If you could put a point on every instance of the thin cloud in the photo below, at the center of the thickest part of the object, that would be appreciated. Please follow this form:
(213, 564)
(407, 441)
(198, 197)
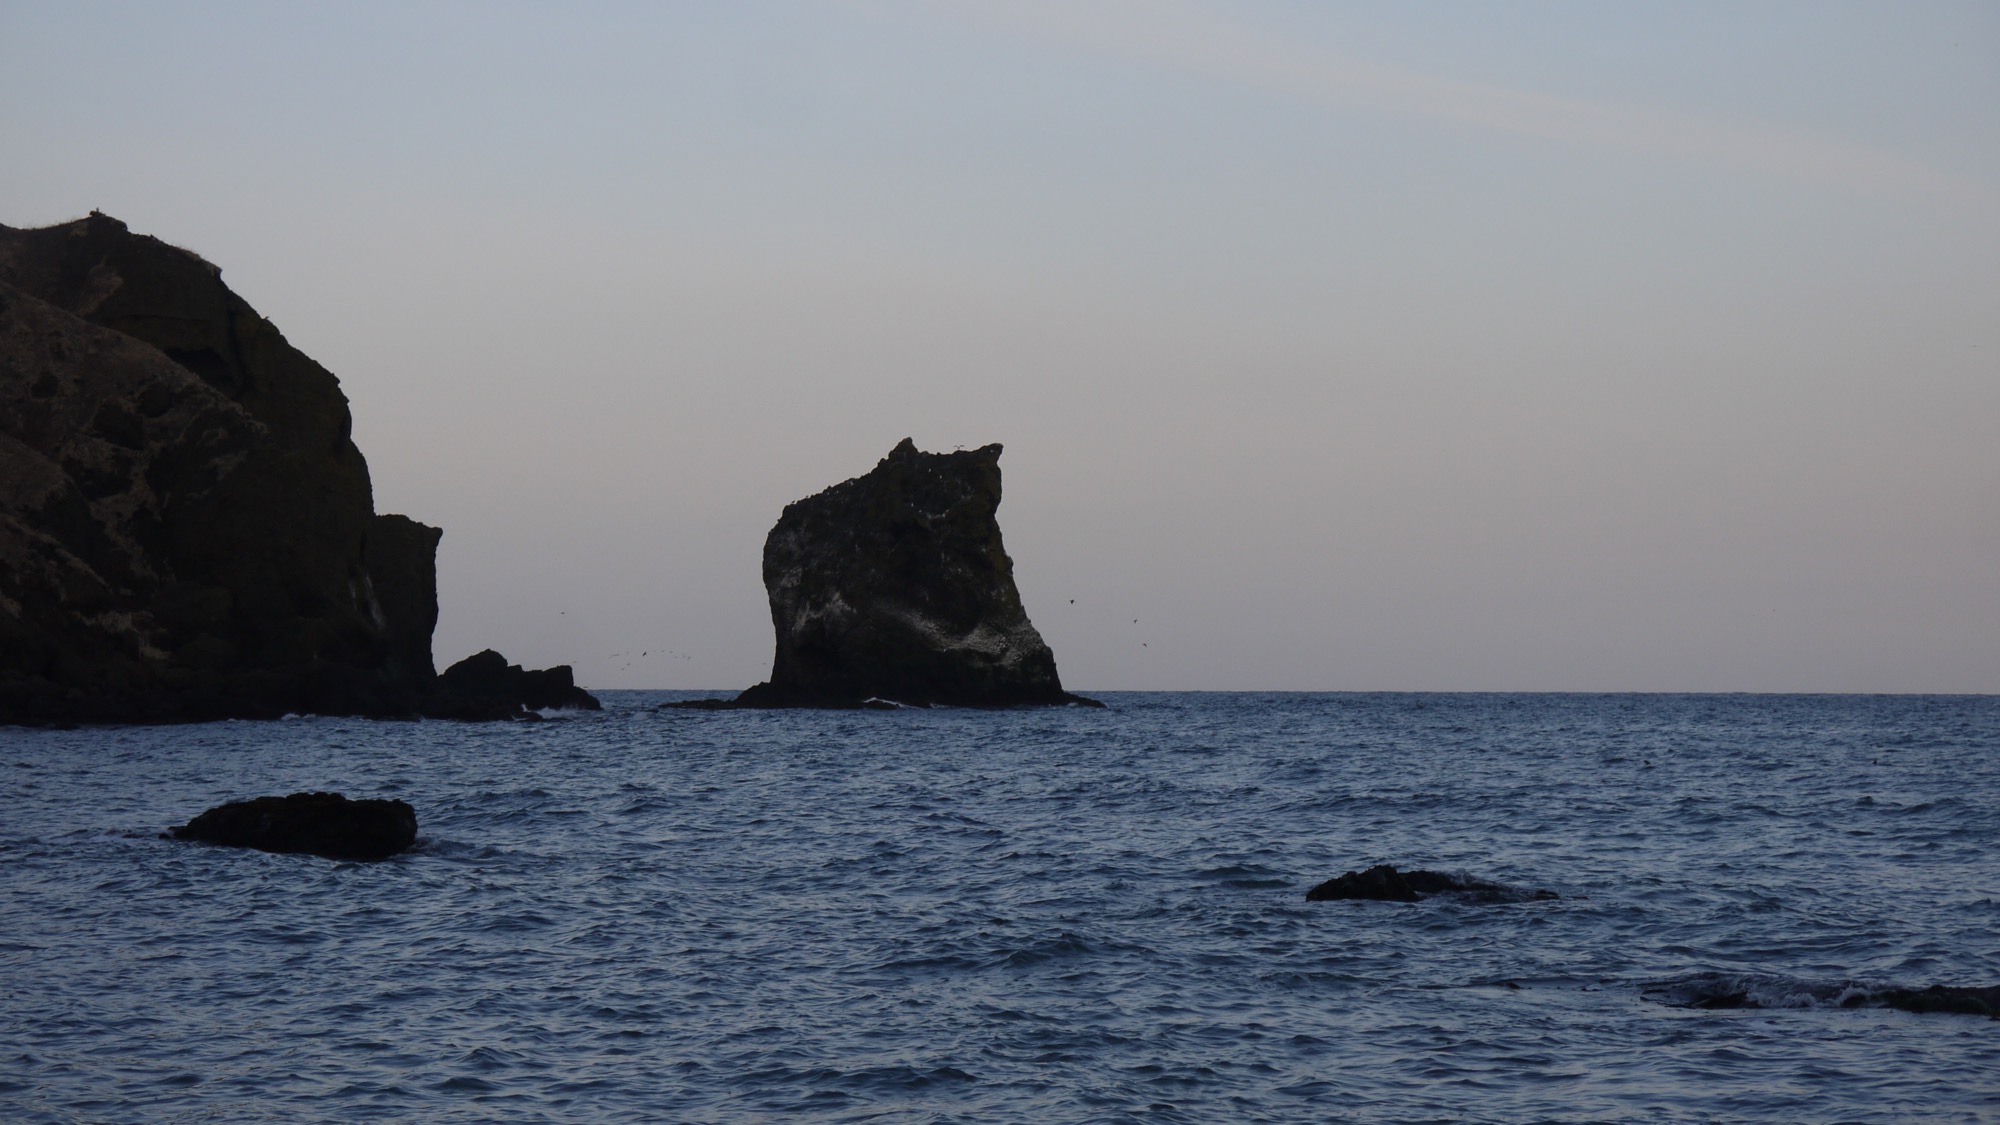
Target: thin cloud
(1177, 35)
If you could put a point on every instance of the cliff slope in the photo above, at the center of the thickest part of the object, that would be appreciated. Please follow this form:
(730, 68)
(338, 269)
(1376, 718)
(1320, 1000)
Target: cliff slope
(186, 529)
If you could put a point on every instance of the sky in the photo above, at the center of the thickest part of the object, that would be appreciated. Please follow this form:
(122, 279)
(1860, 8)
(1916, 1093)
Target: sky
(1334, 346)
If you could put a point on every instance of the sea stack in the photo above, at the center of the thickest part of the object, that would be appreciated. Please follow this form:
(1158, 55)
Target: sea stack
(894, 587)
(187, 530)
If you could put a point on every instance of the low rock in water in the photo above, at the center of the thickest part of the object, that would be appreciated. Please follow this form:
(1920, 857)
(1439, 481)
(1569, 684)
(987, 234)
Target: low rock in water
(1733, 991)
(1383, 883)
(322, 824)
(1963, 1000)
(485, 686)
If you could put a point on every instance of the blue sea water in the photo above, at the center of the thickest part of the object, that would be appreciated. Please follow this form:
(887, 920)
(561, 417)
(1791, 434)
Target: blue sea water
(1062, 915)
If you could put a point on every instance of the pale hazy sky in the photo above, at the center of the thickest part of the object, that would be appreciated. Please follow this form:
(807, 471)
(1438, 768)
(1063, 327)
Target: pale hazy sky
(1556, 346)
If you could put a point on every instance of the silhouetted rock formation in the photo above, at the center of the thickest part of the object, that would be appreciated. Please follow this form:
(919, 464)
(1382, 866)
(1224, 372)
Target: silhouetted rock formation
(485, 686)
(323, 824)
(186, 530)
(895, 586)
(1383, 883)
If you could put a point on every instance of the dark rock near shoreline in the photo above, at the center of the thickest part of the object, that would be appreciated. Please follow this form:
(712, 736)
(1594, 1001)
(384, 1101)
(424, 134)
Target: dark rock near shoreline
(894, 588)
(485, 686)
(322, 824)
(187, 531)
(1383, 883)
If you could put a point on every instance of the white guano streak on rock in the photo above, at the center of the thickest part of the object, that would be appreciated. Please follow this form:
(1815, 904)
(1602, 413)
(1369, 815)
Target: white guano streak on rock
(1002, 645)
(804, 614)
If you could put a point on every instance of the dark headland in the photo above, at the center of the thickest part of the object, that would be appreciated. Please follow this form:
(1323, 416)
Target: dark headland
(187, 530)
(894, 588)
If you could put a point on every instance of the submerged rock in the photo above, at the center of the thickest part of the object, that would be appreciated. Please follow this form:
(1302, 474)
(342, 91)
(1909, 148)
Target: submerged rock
(894, 588)
(187, 530)
(322, 824)
(1730, 991)
(1960, 999)
(1383, 883)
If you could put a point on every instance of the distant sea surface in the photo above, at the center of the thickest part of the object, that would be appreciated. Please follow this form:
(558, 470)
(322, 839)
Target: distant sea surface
(1062, 915)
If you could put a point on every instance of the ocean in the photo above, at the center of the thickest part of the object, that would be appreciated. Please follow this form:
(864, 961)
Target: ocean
(1062, 915)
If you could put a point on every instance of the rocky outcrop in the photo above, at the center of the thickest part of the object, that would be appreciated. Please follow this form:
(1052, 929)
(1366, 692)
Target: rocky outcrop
(895, 586)
(186, 529)
(322, 824)
(485, 686)
(1383, 883)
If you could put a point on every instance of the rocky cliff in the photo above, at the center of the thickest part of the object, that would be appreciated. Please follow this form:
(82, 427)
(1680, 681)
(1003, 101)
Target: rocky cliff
(186, 529)
(895, 586)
